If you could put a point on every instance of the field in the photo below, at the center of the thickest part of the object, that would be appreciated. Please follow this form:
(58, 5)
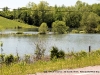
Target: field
(11, 24)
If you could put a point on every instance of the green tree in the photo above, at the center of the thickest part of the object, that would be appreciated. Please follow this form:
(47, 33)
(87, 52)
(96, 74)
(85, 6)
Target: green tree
(90, 21)
(59, 27)
(72, 19)
(30, 5)
(42, 8)
(58, 15)
(96, 8)
(43, 28)
(5, 9)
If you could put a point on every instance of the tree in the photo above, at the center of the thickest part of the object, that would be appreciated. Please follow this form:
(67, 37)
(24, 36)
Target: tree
(30, 5)
(72, 19)
(5, 9)
(58, 15)
(90, 21)
(96, 8)
(43, 28)
(59, 27)
(42, 8)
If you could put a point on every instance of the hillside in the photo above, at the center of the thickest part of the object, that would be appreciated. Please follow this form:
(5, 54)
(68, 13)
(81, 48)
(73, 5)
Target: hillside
(11, 24)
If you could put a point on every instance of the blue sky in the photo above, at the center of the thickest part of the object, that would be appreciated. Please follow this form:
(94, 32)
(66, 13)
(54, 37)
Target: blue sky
(21, 3)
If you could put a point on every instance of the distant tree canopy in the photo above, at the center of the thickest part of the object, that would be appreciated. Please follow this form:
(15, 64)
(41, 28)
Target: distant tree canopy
(90, 21)
(78, 16)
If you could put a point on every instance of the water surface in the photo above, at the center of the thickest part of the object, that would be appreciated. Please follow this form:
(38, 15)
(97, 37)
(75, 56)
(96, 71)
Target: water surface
(25, 44)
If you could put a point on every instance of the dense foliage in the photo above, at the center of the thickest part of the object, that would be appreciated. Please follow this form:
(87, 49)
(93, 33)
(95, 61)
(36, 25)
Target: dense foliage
(78, 16)
(56, 53)
(43, 28)
(59, 27)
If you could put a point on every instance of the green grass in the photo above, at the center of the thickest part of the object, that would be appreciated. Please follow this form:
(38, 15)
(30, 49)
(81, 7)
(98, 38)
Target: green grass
(76, 61)
(11, 24)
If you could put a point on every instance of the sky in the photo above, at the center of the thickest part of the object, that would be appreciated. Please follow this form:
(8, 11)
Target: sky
(14, 4)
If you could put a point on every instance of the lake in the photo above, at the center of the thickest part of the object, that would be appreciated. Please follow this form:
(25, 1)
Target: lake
(26, 44)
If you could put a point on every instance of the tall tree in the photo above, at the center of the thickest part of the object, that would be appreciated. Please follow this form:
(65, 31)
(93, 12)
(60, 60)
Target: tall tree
(42, 8)
(73, 19)
(90, 21)
(96, 8)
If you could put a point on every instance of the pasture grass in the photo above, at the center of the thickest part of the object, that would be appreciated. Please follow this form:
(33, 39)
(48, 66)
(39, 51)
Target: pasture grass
(76, 60)
(11, 24)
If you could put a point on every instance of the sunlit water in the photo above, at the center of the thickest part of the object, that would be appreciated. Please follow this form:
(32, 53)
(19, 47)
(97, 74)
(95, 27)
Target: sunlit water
(67, 42)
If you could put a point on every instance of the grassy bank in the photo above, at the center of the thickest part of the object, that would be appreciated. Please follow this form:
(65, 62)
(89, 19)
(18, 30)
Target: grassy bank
(72, 60)
(11, 24)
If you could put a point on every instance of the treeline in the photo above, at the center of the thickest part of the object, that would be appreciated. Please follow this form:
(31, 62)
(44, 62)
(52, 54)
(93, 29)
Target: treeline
(82, 16)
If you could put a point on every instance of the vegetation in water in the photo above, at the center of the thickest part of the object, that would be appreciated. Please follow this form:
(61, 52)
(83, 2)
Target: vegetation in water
(43, 28)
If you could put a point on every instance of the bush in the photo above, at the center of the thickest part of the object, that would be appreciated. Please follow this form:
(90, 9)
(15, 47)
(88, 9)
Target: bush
(40, 50)
(97, 52)
(16, 59)
(75, 31)
(61, 54)
(80, 55)
(2, 58)
(27, 58)
(9, 59)
(55, 53)
(59, 27)
(43, 28)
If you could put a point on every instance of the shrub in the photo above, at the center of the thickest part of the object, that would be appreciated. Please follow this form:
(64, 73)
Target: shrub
(97, 52)
(19, 27)
(55, 53)
(27, 58)
(2, 58)
(75, 31)
(16, 59)
(43, 28)
(59, 27)
(80, 55)
(40, 50)
(9, 59)
(61, 54)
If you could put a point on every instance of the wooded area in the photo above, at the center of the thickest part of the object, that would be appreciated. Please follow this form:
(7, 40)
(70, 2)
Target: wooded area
(82, 16)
